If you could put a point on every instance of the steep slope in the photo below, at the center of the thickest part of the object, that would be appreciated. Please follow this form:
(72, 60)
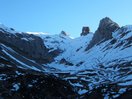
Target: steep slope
(107, 62)
(22, 76)
(96, 64)
(72, 53)
(104, 31)
(27, 45)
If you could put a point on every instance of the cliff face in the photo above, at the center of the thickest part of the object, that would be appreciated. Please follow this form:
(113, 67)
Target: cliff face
(104, 31)
(27, 45)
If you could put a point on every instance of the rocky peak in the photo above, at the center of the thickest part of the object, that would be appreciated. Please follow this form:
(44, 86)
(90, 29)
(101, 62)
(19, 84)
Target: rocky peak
(104, 31)
(63, 33)
(105, 21)
(85, 31)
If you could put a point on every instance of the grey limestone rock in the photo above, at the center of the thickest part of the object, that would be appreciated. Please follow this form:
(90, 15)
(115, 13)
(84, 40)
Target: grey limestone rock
(104, 31)
(85, 31)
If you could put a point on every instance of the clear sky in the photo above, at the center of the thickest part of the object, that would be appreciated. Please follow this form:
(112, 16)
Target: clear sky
(52, 16)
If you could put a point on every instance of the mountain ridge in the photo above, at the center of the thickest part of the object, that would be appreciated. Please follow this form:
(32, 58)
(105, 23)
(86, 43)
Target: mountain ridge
(92, 62)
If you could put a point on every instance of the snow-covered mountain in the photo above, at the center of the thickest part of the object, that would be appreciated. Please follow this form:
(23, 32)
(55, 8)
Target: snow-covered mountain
(95, 64)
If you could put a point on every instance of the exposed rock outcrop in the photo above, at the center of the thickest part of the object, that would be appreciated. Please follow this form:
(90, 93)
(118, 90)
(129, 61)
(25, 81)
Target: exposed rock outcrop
(85, 31)
(28, 45)
(64, 61)
(104, 31)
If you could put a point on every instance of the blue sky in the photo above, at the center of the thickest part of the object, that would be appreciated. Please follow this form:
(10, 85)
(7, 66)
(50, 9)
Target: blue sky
(52, 16)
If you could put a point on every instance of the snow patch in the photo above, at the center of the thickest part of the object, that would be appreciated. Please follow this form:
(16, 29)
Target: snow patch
(16, 87)
(82, 91)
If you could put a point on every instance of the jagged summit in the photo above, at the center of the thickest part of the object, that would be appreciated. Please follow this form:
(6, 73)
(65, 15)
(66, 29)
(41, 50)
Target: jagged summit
(63, 33)
(104, 31)
(85, 31)
(107, 21)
